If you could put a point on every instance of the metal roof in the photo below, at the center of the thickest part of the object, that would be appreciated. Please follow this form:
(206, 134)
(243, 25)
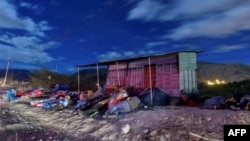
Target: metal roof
(132, 59)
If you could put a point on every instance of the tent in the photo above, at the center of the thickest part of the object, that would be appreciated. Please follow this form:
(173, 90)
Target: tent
(159, 97)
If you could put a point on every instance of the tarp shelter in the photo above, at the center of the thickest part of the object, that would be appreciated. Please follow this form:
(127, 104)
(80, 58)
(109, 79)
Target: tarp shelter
(159, 97)
(170, 72)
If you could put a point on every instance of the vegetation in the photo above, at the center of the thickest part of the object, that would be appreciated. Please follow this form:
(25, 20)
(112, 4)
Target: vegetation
(88, 79)
(46, 78)
(227, 90)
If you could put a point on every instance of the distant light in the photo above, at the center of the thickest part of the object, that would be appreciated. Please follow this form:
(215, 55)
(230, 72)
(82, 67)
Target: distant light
(216, 82)
(210, 83)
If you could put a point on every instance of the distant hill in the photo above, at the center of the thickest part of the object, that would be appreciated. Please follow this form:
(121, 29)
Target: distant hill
(229, 72)
(88, 77)
(16, 74)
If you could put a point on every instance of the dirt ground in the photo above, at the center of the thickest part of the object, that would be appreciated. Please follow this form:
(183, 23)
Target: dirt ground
(20, 122)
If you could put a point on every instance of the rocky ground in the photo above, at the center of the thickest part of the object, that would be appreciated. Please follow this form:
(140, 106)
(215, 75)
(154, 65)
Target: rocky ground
(20, 122)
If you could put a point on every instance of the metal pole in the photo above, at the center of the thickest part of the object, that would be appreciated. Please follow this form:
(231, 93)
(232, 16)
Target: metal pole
(97, 71)
(150, 80)
(78, 77)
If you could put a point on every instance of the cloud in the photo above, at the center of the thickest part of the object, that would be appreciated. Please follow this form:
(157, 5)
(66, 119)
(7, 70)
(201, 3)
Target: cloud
(11, 19)
(112, 55)
(152, 44)
(221, 25)
(198, 18)
(25, 42)
(224, 49)
(129, 54)
(28, 49)
(28, 5)
(179, 9)
(144, 11)
(25, 49)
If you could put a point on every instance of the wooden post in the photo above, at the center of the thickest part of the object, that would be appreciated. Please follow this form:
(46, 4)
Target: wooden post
(118, 76)
(150, 80)
(5, 78)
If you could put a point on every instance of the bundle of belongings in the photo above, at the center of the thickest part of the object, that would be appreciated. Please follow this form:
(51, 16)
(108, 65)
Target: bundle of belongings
(59, 99)
(120, 102)
(37, 93)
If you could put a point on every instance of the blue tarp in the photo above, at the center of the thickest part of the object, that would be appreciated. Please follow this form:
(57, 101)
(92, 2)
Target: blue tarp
(60, 87)
(10, 95)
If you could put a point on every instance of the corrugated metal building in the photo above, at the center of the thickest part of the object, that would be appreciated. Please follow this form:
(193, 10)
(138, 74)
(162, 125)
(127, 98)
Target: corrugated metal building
(171, 72)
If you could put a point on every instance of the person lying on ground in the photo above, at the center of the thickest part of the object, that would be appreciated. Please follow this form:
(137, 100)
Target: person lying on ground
(236, 102)
(215, 102)
(51, 99)
(58, 104)
(65, 101)
(100, 91)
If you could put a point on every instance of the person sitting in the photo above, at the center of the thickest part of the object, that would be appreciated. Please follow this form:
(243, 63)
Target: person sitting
(183, 99)
(81, 102)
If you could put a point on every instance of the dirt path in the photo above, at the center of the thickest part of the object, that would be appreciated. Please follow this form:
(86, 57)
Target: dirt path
(22, 122)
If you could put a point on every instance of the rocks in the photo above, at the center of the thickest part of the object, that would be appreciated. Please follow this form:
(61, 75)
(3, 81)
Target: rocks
(208, 118)
(4, 112)
(146, 131)
(153, 133)
(126, 129)
(159, 124)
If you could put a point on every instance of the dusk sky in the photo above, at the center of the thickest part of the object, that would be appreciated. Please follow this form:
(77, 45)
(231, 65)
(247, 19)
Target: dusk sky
(60, 34)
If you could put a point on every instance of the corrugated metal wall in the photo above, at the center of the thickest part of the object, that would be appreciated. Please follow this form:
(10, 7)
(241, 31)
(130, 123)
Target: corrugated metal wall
(188, 66)
(172, 73)
(168, 78)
